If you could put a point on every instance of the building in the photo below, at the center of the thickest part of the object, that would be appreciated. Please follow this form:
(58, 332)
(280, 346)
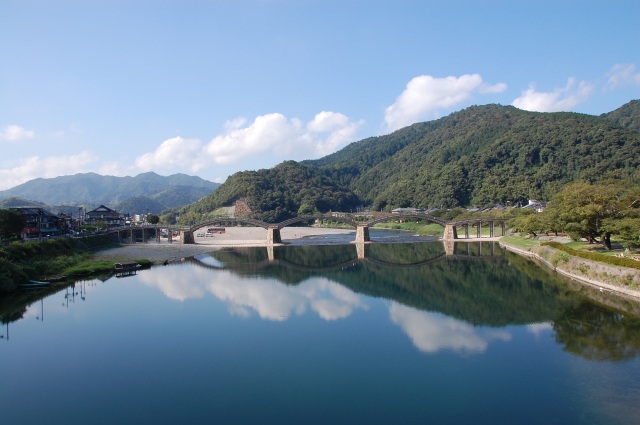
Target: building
(106, 215)
(40, 222)
(535, 205)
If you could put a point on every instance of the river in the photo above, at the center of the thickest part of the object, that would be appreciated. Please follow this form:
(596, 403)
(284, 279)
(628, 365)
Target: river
(306, 334)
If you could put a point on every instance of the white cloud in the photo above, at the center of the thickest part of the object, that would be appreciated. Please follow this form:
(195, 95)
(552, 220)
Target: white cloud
(281, 137)
(622, 75)
(33, 167)
(173, 153)
(425, 96)
(270, 134)
(13, 133)
(561, 99)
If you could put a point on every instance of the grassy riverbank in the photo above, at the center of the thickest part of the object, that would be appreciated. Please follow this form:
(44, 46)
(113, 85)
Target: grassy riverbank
(421, 228)
(42, 260)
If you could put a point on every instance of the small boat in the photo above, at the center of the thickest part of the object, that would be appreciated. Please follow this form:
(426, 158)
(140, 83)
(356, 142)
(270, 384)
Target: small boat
(34, 284)
(125, 267)
(54, 279)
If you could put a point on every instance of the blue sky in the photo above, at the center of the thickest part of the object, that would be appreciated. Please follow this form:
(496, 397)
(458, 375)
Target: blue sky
(210, 88)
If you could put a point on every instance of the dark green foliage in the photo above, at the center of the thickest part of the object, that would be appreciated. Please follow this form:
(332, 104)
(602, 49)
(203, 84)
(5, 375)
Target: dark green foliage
(627, 116)
(278, 193)
(11, 223)
(10, 276)
(486, 155)
(589, 211)
(595, 333)
(35, 260)
(153, 218)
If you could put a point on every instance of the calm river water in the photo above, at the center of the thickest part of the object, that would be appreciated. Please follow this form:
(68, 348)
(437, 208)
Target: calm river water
(392, 334)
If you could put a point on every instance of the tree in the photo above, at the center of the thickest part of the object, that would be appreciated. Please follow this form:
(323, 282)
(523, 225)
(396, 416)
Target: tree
(581, 209)
(11, 223)
(528, 222)
(153, 218)
(626, 225)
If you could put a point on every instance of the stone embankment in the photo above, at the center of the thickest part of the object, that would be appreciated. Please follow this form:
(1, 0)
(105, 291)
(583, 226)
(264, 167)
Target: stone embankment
(601, 276)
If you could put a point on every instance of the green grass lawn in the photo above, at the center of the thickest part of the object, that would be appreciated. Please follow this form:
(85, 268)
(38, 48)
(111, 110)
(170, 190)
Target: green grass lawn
(519, 242)
(420, 228)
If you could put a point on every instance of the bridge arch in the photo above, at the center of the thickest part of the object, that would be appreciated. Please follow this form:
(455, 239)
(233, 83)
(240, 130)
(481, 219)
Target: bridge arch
(413, 216)
(222, 220)
(302, 218)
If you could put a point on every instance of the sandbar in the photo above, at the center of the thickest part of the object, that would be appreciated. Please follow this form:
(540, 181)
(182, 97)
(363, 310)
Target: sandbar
(233, 237)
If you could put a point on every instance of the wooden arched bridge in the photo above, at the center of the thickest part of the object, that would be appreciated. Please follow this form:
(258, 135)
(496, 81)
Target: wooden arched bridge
(185, 234)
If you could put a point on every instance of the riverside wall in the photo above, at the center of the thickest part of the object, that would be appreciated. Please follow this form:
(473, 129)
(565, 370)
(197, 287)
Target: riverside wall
(607, 278)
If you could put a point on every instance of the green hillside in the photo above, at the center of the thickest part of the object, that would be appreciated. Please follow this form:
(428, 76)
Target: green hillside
(276, 194)
(627, 116)
(484, 155)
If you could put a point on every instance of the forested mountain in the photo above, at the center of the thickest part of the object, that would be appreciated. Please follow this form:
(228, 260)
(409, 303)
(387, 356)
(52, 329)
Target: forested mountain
(480, 156)
(92, 190)
(485, 155)
(627, 116)
(276, 194)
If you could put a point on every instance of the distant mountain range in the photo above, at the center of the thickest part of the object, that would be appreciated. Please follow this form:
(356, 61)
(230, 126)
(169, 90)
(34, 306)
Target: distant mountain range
(144, 192)
(480, 156)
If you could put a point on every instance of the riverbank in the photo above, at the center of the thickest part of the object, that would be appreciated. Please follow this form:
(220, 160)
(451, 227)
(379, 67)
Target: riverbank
(602, 277)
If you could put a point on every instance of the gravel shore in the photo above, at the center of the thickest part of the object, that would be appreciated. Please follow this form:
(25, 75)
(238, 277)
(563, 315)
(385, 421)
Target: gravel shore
(233, 237)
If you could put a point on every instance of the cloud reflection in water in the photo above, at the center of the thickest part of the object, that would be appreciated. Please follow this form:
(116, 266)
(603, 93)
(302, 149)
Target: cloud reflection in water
(432, 332)
(270, 299)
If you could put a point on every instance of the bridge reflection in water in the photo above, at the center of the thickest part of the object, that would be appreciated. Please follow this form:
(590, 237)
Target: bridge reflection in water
(185, 235)
(422, 254)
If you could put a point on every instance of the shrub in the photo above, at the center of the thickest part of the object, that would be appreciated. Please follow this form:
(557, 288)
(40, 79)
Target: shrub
(614, 261)
(10, 276)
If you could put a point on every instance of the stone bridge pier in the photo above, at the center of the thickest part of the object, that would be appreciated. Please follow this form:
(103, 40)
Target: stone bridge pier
(273, 235)
(186, 237)
(362, 234)
(449, 247)
(450, 232)
(271, 253)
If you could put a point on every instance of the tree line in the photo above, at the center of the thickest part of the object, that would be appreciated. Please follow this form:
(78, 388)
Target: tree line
(594, 212)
